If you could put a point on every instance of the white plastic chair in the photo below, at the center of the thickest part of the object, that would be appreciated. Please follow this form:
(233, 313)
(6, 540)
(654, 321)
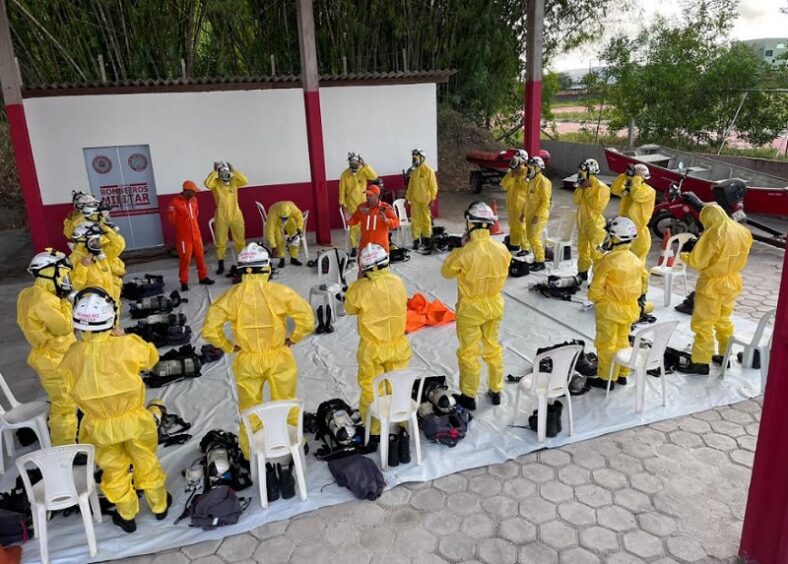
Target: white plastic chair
(263, 214)
(230, 247)
(31, 415)
(276, 439)
(303, 236)
(678, 269)
(395, 407)
(550, 385)
(330, 283)
(346, 227)
(62, 485)
(402, 214)
(750, 347)
(645, 355)
(563, 239)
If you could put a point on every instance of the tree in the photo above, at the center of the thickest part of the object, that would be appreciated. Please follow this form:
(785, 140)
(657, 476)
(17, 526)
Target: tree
(564, 81)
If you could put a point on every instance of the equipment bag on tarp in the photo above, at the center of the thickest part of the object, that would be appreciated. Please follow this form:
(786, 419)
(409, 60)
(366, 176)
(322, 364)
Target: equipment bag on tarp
(155, 304)
(519, 268)
(359, 474)
(173, 366)
(163, 329)
(138, 288)
(217, 507)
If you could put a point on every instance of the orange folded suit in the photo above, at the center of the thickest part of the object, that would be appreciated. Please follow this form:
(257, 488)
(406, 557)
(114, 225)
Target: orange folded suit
(423, 313)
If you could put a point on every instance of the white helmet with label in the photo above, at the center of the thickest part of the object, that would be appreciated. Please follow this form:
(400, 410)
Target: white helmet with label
(373, 257)
(590, 167)
(255, 257)
(622, 229)
(642, 170)
(94, 310)
(480, 214)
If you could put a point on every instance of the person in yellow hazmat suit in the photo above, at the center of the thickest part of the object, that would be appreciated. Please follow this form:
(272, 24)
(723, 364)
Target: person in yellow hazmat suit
(96, 258)
(352, 192)
(537, 209)
(75, 216)
(619, 281)
(43, 312)
(421, 193)
(637, 203)
(258, 311)
(104, 370)
(380, 301)
(224, 181)
(720, 254)
(591, 198)
(516, 185)
(284, 228)
(481, 267)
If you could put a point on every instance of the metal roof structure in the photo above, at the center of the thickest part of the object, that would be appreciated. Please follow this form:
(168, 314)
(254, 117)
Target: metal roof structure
(228, 83)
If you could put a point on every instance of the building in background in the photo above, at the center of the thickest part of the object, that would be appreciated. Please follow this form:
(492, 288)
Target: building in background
(773, 50)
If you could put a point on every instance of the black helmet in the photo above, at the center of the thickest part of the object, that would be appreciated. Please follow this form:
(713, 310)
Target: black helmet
(729, 194)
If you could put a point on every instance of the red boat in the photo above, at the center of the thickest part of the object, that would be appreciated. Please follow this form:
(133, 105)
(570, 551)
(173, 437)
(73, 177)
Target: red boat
(493, 166)
(765, 194)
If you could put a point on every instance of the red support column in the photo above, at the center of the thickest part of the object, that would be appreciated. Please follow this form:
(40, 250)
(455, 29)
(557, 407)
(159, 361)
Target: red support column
(765, 533)
(532, 118)
(20, 137)
(314, 122)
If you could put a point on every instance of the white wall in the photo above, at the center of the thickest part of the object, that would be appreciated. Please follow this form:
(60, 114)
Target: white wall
(383, 123)
(262, 132)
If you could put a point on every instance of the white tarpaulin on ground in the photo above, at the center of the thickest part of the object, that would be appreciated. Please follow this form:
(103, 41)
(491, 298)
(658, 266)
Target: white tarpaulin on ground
(327, 369)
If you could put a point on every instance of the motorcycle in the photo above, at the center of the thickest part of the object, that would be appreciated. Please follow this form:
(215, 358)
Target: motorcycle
(674, 213)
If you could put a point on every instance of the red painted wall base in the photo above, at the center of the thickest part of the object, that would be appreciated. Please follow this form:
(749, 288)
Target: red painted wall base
(532, 116)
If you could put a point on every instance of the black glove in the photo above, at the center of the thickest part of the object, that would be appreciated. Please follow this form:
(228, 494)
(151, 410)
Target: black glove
(691, 199)
(642, 301)
(688, 246)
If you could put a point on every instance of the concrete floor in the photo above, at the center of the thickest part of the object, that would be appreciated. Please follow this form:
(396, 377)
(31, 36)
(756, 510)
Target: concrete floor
(673, 491)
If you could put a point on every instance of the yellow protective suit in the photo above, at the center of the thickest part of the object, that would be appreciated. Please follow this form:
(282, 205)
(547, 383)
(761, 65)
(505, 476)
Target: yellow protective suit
(105, 371)
(481, 268)
(258, 311)
(637, 203)
(275, 228)
(516, 185)
(381, 303)
(537, 212)
(45, 320)
(228, 214)
(352, 193)
(107, 273)
(73, 219)
(619, 280)
(422, 191)
(591, 203)
(720, 255)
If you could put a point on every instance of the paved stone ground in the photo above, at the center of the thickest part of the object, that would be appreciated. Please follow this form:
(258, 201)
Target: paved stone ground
(674, 491)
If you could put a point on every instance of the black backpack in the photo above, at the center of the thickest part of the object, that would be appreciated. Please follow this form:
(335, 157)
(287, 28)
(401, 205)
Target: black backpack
(217, 507)
(359, 474)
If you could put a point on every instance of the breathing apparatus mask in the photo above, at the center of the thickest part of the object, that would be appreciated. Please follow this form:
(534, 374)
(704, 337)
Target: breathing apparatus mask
(436, 392)
(93, 245)
(729, 194)
(224, 172)
(341, 426)
(354, 161)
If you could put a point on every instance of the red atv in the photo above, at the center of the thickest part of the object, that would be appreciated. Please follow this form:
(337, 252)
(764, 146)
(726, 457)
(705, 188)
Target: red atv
(674, 213)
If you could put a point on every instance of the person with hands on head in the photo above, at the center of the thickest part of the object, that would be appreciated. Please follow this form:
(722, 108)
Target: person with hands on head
(258, 312)
(537, 209)
(352, 188)
(96, 258)
(224, 182)
(591, 198)
(104, 368)
(284, 228)
(515, 183)
(183, 213)
(421, 193)
(375, 217)
(637, 203)
(43, 312)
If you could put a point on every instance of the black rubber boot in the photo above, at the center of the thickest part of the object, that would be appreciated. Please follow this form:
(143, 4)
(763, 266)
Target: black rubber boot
(206, 281)
(220, 268)
(688, 305)
(329, 327)
(416, 244)
(756, 359)
(128, 525)
(583, 276)
(600, 383)
(353, 252)
(553, 421)
(163, 515)
(495, 397)
(694, 368)
(295, 262)
(557, 409)
(622, 381)
(393, 450)
(426, 246)
(537, 266)
(184, 287)
(522, 252)
(465, 401)
(533, 421)
(271, 483)
(286, 480)
(372, 446)
(404, 447)
(321, 326)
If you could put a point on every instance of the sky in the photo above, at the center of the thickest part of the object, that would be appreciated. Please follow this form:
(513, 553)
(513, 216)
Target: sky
(757, 18)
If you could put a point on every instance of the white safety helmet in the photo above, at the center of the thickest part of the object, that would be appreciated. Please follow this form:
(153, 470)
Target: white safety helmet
(294, 240)
(642, 171)
(94, 310)
(516, 162)
(82, 199)
(480, 214)
(86, 230)
(621, 230)
(589, 167)
(224, 170)
(536, 162)
(61, 266)
(91, 209)
(255, 257)
(523, 154)
(418, 156)
(373, 257)
(353, 158)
